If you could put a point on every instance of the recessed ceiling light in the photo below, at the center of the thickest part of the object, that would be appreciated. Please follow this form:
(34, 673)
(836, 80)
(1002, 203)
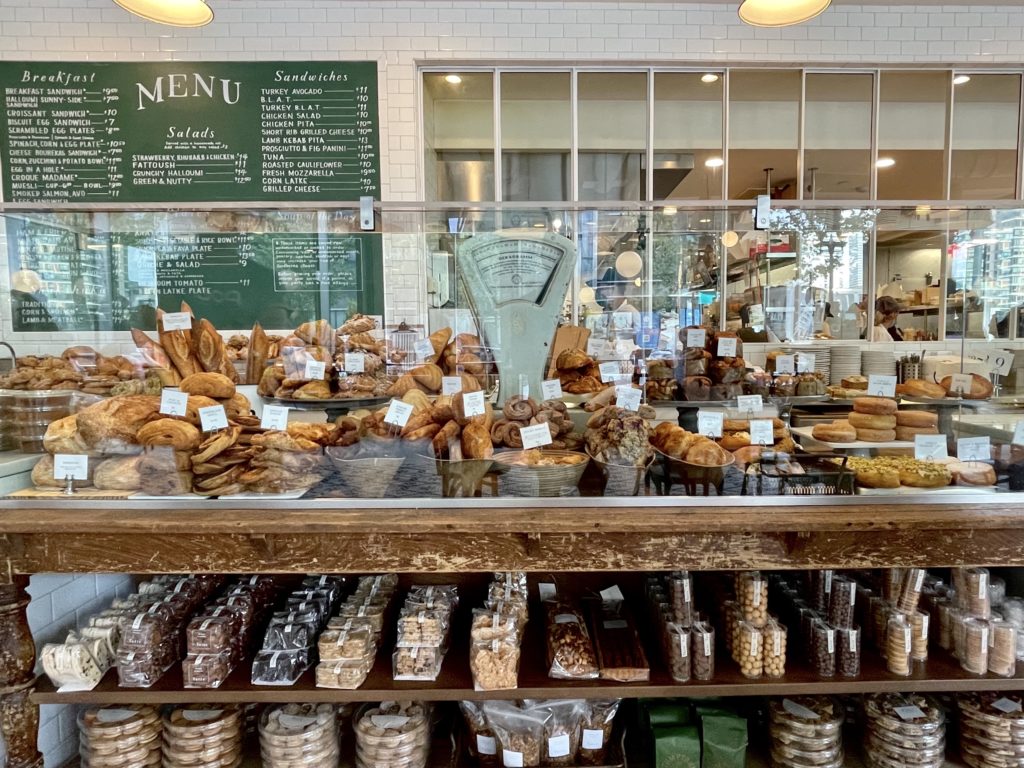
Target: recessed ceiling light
(885, 162)
(714, 162)
(961, 79)
(704, 221)
(670, 210)
(730, 238)
(710, 77)
(175, 13)
(452, 79)
(780, 13)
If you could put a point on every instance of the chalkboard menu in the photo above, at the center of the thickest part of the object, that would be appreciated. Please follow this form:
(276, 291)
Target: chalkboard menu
(283, 275)
(184, 132)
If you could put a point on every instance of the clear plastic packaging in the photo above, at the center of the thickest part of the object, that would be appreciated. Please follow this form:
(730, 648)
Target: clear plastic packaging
(560, 742)
(423, 626)
(898, 644)
(976, 596)
(343, 674)
(416, 662)
(849, 651)
(139, 669)
(823, 649)
(482, 744)
(519, 733)
(298, 734)
(748, 651)
(1002, 652)
(677, 652)
(996, 591)
(842, 602)
(289, 635)
(752, 598)
(495, 663)
(807, 717)
(821, 589)
(974, 658)
(910, 590)
(681, 594)
(147, 630)
(570, 652)
(773, 643)
(596, 730)
(206, 670)
(210, 634)
(702, 651)
(279, 667)
(340, 645)
(920, 626)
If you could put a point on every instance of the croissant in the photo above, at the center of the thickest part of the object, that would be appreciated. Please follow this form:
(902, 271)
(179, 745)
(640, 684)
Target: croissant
(571, 359)
(402, 385)
(448, 434)
(518, 408)
(318, 333)
(423, 433)
(428, 376)
(470, 363)
(416, 422)
(357, 324)
(418, 400)
(459, 409)
(476, 442)
(470, 383)
(439, 340)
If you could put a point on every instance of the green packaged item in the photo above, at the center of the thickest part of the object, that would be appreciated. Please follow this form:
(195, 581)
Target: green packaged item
(676, 746)
(724, 740)
(668, 712)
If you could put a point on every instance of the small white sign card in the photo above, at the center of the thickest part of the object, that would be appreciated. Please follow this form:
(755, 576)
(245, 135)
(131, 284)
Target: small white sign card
(535, 436)
(627, 397)
(274, 417)
(551, 389)
(930, 447)
(173, 402)
(709, 423)
(67, 465)
(314, 370)
(451, 385)
(974, 449)
(177, 321)
(882, 386)
(473, 403)
(762, 432)
(696, 337)
(398, 413)
(785, 364)
(213, 418)
(727, 347)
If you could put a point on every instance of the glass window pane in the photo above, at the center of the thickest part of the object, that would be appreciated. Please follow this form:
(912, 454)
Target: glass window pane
(536, 135)
(984, 145)
(912, 135)
(688, 136)
(764, 117)
(837, 136)
(458, 132)
(612, 115)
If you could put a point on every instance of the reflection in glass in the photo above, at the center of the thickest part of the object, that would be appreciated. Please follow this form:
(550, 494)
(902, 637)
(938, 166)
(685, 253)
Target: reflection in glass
(837, 136)
(458, 134)
(612, 135)
(912, 135)
(687, 136)
(536, 135)
(908, 264)
(984, 142)
(764, 117)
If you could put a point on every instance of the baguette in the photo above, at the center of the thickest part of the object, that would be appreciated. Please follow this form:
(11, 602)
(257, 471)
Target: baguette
(150, 349)
(259, 349)
(178, 345)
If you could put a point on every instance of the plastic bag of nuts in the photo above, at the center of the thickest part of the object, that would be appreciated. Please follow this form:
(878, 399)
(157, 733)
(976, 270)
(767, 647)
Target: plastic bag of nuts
(752, 597)
(561, 741)
(677, 651)
(481, 743)
(569, 648)
(702, 651)
(681, 593)
(596, 731)
(773, 642)
(519, 733)
(495, 663)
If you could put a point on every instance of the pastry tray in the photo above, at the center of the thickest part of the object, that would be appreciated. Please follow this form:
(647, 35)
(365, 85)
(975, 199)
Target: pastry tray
(949, 490)
(351, 403)
(805, 432)
(794, 400)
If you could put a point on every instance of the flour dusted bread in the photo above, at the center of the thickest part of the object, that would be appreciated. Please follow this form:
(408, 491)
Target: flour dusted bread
(112, 426)
(118, 474)
(42, 475)
(62, 436)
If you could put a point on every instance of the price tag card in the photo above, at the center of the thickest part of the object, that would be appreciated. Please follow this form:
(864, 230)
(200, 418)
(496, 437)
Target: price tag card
(274, 417)
(423, 348)
(1018, 434)
(524, 386)
(551, 389)
(213, 418)
(355, 362)
(961, 383)
(67, 465)
(974, 449)
(398, 413)
(173, 402)
(1003, 705)
(1000, 362)
(749, 403)
(546, 589)
(627, 397)
(882, 386)
(785, 364)
(909, 712)
(709, 423)
(535, 436)
(473, 404)
(727, 347)
(805, 363)
(930, 447)
(315, 370)
(177, 321)
(762, 432)
(595, 347)
(696, 337)
(609, 372)
(451, 385)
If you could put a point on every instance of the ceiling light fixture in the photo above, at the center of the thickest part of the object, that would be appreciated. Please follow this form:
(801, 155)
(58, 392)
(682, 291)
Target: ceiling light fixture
(780, 13)
(710, 77)
(629, 264)
(714, 162)
(175, 13)
(885, 162)
(670, 210)
(452, 79)
(961, 79)
(730, 238)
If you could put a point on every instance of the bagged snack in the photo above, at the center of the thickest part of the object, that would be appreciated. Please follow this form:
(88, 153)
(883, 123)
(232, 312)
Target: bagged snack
(561, 742)
(481, 742)
(596, 729)
(519, 733)
(570, 652)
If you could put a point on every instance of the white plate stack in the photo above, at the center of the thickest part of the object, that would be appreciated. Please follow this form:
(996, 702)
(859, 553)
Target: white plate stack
(845, 363)
(822, 356)
(878, 363)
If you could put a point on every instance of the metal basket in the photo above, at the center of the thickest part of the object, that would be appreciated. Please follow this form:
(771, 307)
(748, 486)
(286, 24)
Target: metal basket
(821, 475)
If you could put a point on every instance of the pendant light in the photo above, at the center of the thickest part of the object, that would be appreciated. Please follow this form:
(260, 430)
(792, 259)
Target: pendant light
(176, 13)
(780, 13)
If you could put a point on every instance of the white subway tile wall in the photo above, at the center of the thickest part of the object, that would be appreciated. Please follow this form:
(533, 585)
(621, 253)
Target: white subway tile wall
(61, 602)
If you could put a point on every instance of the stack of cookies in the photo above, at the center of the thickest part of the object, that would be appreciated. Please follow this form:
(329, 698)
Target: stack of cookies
(202, 735)
(125, 736)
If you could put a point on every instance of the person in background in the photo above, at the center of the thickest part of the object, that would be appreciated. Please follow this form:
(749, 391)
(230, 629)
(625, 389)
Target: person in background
(887, 309)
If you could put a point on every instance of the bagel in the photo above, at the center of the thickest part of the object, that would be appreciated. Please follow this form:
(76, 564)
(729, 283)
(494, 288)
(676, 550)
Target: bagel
(837, 432)
(876, 435)
(916, 419)
(871, 421)
(874, 405)
(180, 435)
(907, 434)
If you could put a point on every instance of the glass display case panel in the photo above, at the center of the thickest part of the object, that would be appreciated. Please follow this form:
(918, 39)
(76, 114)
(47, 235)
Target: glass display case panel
(688, 160)
(458, 136)
(837, 136)
(986, 116)
(536, 135)
(612, 135)
(912, 121)
(764, 130)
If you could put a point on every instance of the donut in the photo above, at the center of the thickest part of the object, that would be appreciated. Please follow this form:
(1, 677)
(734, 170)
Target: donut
(871, 421)
(916, 419)
(836, 432)
(907, 434)
(876, 435)
(875, 405)
(733, 441)
(972, 473)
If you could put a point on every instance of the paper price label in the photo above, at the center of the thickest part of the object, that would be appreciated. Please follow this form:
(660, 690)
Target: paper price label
(696, 337)
(1003, 705)
(749, 403)
(535, 436)
(1018, 433)
(909, 713)
(961, 383)
(628, 398)
(314, 370)
(1000, 363)
(451, 385)
(612, 595)
(173, 402)
(486, 745)
(609, 372)
(762, 432)
(213, 418)
(973, 449)
(398, 413)
(727, 347)
(805, 363)
(592, 739)
(930, 447)
(551, 389)
(799, 710)
(274, 417)
(423, 348)
(882, 386)
(389, 721)
(546, 590)
(709, 423)
(511, 759)
(67, 465)
(473, 404)
(177, 321)
(785, 364)
(355, 362)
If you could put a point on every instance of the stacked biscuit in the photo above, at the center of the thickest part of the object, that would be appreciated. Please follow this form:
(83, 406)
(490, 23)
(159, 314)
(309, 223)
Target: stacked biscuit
(299, 734)
(394, 734)
(202, 735)
(124, 736)
(423, 625)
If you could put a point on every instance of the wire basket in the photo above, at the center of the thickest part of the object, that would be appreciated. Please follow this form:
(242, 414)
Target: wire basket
(620, 479)
(521, 479)
(366, 477)
(820, 475)
(698, 479)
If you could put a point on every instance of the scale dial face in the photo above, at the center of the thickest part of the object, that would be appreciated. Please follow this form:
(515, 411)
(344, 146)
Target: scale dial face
(517, 269)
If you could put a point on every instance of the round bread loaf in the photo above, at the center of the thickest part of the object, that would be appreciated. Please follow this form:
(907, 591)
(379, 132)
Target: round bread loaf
(907, 434)
(837, 432)
(875, 405)
(917, 419)
(871, 421)
(876, 435)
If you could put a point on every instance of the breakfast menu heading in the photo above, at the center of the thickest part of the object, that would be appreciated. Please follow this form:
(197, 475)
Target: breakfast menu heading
(179, 132)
